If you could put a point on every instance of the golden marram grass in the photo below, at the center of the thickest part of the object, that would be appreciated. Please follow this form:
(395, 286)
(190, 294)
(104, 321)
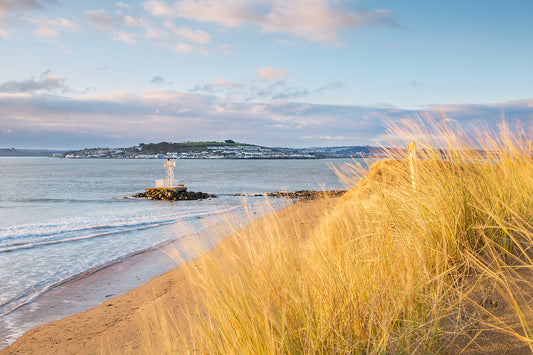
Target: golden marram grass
(443, 267)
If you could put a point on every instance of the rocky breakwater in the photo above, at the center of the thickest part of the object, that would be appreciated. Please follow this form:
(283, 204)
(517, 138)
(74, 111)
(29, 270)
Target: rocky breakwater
(169, 194)
(307, 194)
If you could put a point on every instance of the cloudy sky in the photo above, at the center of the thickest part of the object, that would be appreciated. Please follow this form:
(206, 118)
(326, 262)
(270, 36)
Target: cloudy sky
(298, 73)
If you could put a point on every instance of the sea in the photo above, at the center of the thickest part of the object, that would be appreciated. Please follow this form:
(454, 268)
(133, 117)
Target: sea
(67, 219)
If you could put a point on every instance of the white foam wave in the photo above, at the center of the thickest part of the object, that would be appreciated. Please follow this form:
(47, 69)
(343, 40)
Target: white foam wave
(76, 229)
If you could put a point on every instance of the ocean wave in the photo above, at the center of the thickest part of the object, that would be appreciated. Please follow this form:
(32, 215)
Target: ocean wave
(29, 294)
(45, 200)
(27, 245)
(26, 294)
(78, 229)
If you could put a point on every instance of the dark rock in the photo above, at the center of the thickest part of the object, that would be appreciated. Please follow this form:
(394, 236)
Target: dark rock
(307, 194)
(170, 194)
(299, 195)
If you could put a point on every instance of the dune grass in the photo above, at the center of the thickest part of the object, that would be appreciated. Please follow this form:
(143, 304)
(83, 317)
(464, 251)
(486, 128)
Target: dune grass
(442, 267)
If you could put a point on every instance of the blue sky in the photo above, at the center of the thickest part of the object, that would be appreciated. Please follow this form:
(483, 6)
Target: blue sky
(77, 74)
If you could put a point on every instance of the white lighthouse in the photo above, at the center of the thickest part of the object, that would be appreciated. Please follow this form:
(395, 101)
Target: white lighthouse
(169, 182)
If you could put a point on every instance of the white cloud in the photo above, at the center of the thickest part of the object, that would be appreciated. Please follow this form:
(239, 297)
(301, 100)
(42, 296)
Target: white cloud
(43, 31)
(50, 28)
(157, 8)
(267, 85)
(160, 35)
(193, 36)
(321, 20)
(47, 82)
(225, 82)
(187, 48)
(100, 18)
(122, 36)
(184, 48)
(218, 85)
(132, 21)
(15, 5)
(134, 30)
(58, 23)
(63, 23)
(187, 34)
(312, 20)
(257, 109)
(225, 13)
(270, 73)
(4, 34)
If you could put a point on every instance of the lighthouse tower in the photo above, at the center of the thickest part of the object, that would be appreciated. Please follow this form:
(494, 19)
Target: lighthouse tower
(169, 182)
(170, 173)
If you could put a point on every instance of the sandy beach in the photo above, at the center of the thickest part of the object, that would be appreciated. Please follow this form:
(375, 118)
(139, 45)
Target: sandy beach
(121, 324)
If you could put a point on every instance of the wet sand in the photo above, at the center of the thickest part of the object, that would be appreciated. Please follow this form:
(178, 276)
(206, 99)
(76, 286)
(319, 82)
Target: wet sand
(84, 292)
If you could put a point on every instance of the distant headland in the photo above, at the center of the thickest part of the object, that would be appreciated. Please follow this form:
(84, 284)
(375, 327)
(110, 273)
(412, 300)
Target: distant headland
(228, 149)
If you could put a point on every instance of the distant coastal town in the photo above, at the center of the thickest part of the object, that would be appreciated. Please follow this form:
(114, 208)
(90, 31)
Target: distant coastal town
(217, 150)
(228, 149)
(198, 150)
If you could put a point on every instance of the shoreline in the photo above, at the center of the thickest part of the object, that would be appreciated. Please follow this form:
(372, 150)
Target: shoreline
(115, 317)
(89, 289)
(84, 291)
